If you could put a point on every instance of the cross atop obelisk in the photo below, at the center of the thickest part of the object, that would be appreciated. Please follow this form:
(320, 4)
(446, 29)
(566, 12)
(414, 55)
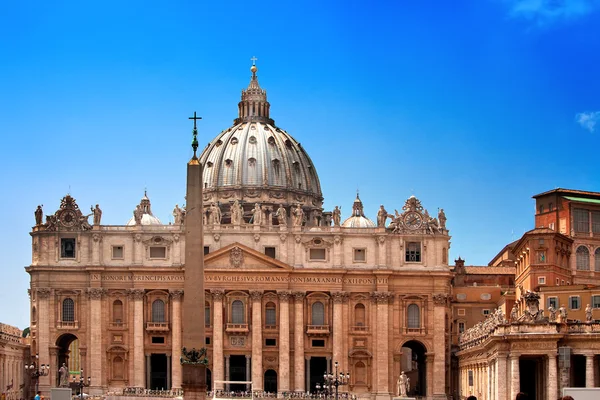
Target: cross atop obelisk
(193, 357)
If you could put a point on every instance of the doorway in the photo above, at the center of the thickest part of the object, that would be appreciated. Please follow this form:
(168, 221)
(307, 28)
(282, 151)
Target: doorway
(414, 366)
(318, 368)
(237, 372)
(270, 381)
(532, 374)
(158, 372)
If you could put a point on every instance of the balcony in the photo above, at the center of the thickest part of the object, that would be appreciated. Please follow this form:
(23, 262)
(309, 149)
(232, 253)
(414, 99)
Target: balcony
(157, 326)
(415, 331)
(271, 328)
(236, 329)
(317, 330)
(67, 325)
(360, 329)
(117, 326)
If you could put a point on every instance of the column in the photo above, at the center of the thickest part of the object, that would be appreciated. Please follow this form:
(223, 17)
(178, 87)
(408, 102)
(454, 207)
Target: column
(95, 298)
(43, 323)
(501, 375)
(284, 342)
(299, 384)
(217, 371)
(176, 338)
(138, 338)
(148, 369)
(382, 353)
(440, 304)
(515, 383)
(337, 327)
(227, 376)
(169, 373)
(552, 377)
(257, 341)
(489, 382)
(308, 388)
(248, 378)
(589, 370)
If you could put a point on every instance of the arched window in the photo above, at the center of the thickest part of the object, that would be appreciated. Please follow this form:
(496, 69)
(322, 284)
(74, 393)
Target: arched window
(583, 258)
(118, 368)
(359, 314)
(414, 317)
(597, 260)
(68, 310)
(118, 311)
(206, 314)
(318, 313)
(237, 312)
(270, 314)
(158, 311)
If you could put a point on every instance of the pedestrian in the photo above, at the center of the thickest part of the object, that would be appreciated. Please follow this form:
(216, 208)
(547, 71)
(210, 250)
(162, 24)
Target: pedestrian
(471, 398)
(522, 396)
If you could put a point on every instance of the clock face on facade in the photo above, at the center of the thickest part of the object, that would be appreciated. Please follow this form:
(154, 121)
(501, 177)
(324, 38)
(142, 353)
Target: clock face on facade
(413, 220)
(68, 218)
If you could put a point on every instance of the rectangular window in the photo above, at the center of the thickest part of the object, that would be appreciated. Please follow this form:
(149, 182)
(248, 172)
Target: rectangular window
(581, 221)
(596, 221)
(461, 311)
(117, 252)
(270, 251)
(271, 342)
(596, 301)
(557, 282)
(360, 255)
(574, 303)
(541, 280)
(551, 207)
(317, 254)
(206, 250)
(486, 312)
(270, 317)
(318, 343)
(207, 340)
(413, 252)
(551, 225)
(158, 340)
(67, 248)
(158, 252)
(461, 327)
(553, 302)
(470, 377)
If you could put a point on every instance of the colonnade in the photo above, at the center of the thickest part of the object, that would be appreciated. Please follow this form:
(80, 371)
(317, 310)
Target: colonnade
(12, 371)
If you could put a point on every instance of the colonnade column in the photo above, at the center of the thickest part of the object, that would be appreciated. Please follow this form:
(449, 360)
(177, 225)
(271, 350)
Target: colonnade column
(284, 342)
(515, 382)
(257, 345)
(552, 378)
(589, 371)
(248, 377)
(217, 295)
(176, 338)
(382, 377)
(43, 323)
(500, 372)
(138, 337)
(299, 384)
(95, 297)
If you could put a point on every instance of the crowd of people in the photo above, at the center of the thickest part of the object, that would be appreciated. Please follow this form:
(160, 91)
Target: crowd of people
(524, 396)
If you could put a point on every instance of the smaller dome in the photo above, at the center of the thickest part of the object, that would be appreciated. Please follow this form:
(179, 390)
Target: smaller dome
(358, 219)
(143, 212)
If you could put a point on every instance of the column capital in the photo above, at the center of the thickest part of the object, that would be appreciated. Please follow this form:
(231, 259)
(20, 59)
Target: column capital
(217, 294)
(381, 297)
(176, 293)
(299, 296)
(95, 293)
(136, 294)
(441, 299)
(338, 297)
(284, 295)
(256, 295)
(43, 293)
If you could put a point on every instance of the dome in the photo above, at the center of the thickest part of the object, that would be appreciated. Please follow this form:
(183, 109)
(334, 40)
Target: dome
(256, 161)
(144, 211)
(358, 219)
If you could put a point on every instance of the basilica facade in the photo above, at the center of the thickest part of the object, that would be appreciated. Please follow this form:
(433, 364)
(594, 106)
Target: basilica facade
(291, 289)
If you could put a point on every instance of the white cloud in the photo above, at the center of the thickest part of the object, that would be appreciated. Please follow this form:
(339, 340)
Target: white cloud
(544, 12)
(588, 120)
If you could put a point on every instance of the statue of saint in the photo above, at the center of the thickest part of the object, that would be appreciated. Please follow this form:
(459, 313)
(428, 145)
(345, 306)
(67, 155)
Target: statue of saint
(381, 217)
(298, 215)
(215, 213)
(402, 385)
(562, 314)
(257, 214)
(514, 314)
(551, 313)
(137, 215)
(97, 213)
(38, 215)
(281, 215)
(63, 373)
(177, 215)
(588, 313)
(442, 218)
(236, 213)
(337, 215)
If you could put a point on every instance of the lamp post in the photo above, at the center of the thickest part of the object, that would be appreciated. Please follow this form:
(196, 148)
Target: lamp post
(36, 370)
(81, 383)
(337, 379)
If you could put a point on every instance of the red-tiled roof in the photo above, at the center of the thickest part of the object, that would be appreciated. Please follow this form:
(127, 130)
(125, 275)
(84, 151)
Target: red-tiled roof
(568, 191)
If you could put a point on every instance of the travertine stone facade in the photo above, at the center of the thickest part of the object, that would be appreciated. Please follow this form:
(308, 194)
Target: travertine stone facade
(14, 355)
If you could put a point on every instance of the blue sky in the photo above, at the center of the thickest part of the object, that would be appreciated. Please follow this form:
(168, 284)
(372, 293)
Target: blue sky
(472, 106)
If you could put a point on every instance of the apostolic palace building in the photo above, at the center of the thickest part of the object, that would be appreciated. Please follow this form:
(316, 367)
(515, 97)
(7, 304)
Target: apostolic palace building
(292, 288)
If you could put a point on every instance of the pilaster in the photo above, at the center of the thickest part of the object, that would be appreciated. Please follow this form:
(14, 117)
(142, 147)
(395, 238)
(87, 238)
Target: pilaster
(257, 375)
(284, 342)
(95, 298)
(552, 378)
(217, 295)
(176, 344)
(299, 378)
(137, 295)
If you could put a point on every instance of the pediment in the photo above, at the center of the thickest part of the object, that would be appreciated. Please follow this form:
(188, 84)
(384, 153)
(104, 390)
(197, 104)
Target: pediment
(238, 256)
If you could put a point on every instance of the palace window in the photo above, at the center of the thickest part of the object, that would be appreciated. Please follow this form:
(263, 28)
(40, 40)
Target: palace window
(414, 316)
(270, 314)
(595, 221)
(68, 310)
(582, 258)
(574, 303)
(158, 311)
(206, 314)
(318, 313)
(461, 311)
(597, 260)
(596, 301)
(359, 314)
(541, 208)
(541, 280)
(117, 252)
(413, 252)
(237, 312)
(67, 248)
(581, 220)
(158, 252)
(118, 311)
(486, 311)
(461, 327)
(553, 302)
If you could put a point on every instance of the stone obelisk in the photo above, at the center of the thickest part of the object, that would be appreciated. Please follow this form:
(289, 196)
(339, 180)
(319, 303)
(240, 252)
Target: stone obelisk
(193, 336)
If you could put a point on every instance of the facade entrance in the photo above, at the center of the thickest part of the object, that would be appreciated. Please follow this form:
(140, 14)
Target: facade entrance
(64, 343)
(270, 381)
(237, 372)
(158, 372)
(533, 377)
(413, 364)
(317, 368)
